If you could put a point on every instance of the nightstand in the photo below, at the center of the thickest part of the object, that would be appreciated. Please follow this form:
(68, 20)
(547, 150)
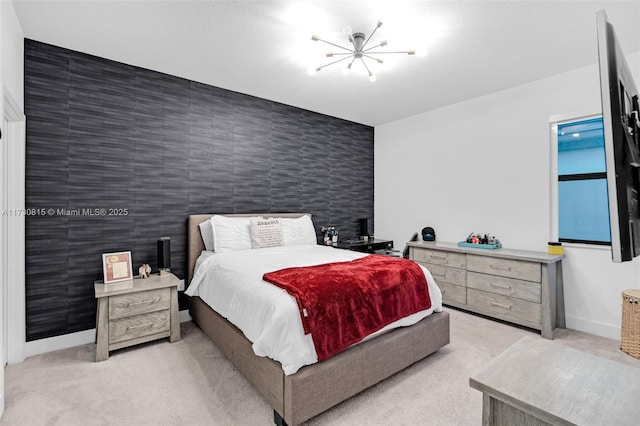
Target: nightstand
(136, 311)
(369, 246)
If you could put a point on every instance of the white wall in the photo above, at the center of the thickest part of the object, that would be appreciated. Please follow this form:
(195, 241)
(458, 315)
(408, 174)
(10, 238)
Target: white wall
(12, 53)
(483, 165)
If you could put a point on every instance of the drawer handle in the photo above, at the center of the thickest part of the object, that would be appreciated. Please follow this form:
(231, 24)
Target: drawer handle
(502, 286)
(500, 305)
(440, 275)
(144, 302)
(431, 256)
(139, 326)
(504, 268)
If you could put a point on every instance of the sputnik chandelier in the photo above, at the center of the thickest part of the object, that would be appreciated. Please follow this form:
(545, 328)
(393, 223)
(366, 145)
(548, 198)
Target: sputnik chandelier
(358, 50)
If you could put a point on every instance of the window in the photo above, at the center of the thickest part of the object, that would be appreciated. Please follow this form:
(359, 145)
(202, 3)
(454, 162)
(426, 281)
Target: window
(583, 206)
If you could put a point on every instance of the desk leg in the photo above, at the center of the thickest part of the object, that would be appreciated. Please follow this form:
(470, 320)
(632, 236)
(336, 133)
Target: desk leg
(102, 330)
(175, 320)
(487, 415)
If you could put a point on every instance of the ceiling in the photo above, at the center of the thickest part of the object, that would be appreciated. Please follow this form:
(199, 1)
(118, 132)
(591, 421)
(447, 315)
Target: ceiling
(263, 48)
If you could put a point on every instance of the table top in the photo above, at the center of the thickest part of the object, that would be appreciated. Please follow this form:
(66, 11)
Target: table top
(538, 256)
(155, 281)
(561, 385)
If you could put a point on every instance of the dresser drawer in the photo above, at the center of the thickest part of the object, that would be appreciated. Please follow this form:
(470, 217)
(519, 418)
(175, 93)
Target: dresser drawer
(511, 287)
(437, 257)
(128, 328)
(529, 271)
(507, 308)
(445, 274)
(453, 293)
(139, 303)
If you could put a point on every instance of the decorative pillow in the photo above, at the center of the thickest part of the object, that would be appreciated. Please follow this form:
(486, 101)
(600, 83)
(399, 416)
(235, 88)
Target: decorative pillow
(298, 231)
(206, 230)
(231, 233)
(266, 232)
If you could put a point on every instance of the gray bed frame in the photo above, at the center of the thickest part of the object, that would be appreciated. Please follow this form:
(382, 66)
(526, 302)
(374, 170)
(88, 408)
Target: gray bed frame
(318, 387)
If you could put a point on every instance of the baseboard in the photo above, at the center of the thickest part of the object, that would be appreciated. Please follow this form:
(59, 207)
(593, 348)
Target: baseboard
(56, 343)
(593, 327)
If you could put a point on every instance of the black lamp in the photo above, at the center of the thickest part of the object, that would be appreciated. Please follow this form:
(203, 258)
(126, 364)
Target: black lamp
(164, 255)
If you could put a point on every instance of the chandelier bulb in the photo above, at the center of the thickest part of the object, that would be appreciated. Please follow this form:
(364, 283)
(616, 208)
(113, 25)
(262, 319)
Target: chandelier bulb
(315, 38)
(329, 54)
(379, 24)
(372, 77)
(383, 43)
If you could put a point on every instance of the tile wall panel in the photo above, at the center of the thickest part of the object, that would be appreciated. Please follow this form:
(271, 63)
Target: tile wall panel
(106, 135)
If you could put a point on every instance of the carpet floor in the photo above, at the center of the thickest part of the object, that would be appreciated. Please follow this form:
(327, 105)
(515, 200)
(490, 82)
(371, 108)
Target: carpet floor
(191, 383)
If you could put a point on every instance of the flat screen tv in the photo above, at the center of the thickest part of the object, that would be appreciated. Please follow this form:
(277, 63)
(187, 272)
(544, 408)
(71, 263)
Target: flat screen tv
(622, 153)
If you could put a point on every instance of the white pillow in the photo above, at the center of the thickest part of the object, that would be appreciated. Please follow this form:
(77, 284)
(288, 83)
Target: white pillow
(206, 230)
(298, 231)
(231, 233)
(266, 232)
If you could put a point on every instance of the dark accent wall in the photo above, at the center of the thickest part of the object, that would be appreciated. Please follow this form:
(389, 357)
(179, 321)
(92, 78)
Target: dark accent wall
(105, 135)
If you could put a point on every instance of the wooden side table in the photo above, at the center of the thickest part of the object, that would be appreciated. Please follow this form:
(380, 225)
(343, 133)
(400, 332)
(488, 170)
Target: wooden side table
(136, 311)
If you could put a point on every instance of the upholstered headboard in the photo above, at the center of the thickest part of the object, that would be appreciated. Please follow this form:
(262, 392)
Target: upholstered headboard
(196, 244)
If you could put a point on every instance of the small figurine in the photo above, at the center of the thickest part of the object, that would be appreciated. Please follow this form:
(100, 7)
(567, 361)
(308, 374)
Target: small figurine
(144, 270)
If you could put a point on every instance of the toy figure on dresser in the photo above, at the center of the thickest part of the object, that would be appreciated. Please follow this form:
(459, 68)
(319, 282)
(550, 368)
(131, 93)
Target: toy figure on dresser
(330, 234)
(144, 271)
(475, 238)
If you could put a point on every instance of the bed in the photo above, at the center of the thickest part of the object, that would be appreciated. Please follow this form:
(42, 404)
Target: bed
(313, 388)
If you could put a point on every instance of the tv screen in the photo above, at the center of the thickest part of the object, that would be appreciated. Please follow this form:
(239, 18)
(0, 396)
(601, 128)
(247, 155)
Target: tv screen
(621, 127)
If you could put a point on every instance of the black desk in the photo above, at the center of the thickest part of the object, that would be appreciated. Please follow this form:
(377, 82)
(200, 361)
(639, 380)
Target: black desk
(370, 246)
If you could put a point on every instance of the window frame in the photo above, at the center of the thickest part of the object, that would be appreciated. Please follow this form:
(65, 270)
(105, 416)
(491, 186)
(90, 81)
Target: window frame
(554, 122)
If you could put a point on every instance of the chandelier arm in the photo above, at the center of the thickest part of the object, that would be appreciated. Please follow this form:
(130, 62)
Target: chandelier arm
(408, 52)
(366, 50)
(365, 65)
(372, 58)
(350, 53)
(334, 62)
(371, 35)
(336, 45)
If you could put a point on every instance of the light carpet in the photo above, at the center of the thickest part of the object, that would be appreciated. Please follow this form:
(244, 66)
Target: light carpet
(191, 383)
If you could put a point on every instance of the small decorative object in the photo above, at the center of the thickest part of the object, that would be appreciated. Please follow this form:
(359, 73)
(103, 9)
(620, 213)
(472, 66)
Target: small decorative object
(478, 240)
(330, 234)
(144, 271)
(117, 267)
(164, 255)
(555, 247)
(428, 234)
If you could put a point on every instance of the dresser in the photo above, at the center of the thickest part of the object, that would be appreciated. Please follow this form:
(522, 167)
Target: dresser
(518, 286)
(136, 311)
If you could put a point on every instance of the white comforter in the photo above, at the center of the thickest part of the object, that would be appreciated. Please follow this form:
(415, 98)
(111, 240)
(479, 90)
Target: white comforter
(231, 283)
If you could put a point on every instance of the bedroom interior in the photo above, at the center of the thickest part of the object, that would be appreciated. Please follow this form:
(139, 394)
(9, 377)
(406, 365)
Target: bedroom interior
(167, 124)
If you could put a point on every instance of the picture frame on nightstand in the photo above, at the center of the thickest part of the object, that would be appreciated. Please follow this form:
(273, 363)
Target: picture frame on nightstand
(117, 267)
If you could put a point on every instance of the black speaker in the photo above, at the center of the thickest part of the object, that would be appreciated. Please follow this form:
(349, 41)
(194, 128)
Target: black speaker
(164, 253)
(364, 227)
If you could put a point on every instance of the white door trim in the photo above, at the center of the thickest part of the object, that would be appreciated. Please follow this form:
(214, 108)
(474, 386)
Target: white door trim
(15, 256)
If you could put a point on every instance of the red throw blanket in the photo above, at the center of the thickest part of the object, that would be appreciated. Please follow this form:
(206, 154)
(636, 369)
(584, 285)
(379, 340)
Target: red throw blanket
(343, 302)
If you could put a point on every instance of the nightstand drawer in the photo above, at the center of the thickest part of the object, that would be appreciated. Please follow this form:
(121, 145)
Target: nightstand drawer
(453, 293)
(445, 274)
(437, 257)
(529, 271)
(520, 289)
(139, 303)
(507, 308)
(128, 328)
